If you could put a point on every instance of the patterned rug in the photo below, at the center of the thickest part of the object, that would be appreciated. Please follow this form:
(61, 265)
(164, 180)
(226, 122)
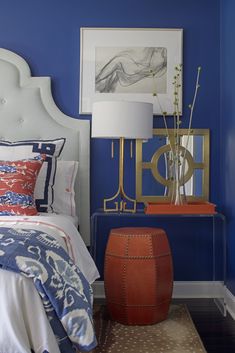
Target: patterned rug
(177, 334)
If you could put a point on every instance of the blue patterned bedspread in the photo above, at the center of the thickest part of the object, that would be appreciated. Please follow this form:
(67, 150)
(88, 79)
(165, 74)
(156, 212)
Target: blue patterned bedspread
(65, 293)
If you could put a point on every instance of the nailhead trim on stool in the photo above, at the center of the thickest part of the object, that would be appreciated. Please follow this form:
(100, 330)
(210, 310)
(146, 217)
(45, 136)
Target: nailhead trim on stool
(138, 275)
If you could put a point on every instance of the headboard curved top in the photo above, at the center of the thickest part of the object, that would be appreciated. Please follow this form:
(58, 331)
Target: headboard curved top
(28, 111)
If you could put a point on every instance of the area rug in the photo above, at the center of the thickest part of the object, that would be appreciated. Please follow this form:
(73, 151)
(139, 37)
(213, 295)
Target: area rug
(177, 334)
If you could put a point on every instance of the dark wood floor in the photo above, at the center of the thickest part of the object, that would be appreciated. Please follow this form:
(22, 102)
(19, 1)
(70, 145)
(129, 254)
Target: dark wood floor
(216, 331)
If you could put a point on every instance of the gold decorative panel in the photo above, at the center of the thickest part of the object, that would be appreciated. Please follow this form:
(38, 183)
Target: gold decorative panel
(152, 182)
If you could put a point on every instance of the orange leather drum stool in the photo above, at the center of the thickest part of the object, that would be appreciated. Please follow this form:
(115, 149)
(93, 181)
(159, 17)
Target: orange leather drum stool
(138, 275)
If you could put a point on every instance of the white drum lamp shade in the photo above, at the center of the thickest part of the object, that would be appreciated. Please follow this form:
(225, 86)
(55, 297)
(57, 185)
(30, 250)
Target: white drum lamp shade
(115, 119)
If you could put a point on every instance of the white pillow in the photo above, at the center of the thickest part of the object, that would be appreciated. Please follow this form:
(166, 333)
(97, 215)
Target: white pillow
(64, 194)
(28, 149)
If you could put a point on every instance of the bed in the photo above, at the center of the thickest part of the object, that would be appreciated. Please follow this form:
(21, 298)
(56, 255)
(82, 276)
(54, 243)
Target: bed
(46, 271)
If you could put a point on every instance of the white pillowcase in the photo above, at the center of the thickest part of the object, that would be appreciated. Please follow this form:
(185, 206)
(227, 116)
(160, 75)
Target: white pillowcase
(64, 194)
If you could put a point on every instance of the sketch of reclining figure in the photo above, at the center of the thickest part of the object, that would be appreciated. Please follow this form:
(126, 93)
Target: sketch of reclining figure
(128, 67)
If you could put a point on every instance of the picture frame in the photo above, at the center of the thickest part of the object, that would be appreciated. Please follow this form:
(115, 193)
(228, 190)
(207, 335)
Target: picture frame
(129, 64)
(152, 182)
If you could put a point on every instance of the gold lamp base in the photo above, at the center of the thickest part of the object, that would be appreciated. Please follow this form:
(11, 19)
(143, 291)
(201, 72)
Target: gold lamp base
(121, 202)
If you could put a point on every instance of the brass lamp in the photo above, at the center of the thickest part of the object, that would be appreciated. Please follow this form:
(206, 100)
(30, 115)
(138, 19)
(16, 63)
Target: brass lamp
(122, 120)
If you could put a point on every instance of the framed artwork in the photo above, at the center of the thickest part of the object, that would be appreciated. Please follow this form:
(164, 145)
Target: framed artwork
(133, 64)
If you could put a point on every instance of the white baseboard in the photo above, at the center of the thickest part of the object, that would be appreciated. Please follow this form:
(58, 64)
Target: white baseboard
(98, 289)
(181, 289)
(230, 302)
(190, 289)
(198, 289)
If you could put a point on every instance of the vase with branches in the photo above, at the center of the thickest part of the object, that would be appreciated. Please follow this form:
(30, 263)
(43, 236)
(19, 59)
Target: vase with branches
(176, 157)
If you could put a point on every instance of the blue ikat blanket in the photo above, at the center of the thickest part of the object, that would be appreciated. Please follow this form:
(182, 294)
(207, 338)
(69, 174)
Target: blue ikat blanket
(65, 293)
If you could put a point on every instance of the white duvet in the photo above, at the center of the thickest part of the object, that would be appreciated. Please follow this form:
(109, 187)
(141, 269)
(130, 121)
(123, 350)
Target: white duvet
(23, 321)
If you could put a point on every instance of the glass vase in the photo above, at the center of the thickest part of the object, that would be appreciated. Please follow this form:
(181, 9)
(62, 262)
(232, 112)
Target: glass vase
(176, 175)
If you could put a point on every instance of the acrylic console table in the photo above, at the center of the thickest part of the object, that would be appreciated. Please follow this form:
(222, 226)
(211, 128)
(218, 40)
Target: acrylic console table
(198, 245)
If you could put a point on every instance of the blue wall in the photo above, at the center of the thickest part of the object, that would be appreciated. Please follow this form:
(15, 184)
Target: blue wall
(227, 124)
(46, 34)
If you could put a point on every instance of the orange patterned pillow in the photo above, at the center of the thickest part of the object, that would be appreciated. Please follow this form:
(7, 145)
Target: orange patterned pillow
(17, 183)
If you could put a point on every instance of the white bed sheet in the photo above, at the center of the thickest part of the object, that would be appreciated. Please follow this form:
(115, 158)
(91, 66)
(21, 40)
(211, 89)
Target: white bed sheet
(23, 321)
(73, 219)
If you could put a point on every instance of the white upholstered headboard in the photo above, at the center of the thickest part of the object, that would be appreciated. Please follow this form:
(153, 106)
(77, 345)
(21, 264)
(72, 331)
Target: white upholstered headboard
(28, 111)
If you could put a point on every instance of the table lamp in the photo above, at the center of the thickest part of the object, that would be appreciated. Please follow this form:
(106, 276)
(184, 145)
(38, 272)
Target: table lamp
(122, 120)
